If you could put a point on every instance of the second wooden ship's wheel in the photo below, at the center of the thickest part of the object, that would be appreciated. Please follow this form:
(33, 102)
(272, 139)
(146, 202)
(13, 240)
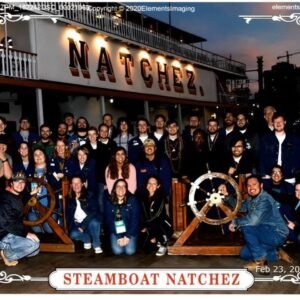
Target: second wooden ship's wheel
(204, 196)
(214, 206)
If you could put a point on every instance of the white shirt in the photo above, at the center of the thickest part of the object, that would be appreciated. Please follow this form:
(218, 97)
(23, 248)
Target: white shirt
(79, 215)
(280, 139)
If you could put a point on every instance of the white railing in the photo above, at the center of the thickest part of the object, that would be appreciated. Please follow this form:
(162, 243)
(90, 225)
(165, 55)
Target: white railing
(19, 64)
(103, 21)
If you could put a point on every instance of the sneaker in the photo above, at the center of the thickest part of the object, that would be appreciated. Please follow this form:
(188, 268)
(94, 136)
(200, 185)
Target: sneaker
(98, 250)
(162, 250)
(87, 246)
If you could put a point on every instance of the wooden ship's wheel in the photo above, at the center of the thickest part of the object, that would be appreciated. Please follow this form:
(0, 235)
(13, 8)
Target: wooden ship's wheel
(210, 206)
(49, 214)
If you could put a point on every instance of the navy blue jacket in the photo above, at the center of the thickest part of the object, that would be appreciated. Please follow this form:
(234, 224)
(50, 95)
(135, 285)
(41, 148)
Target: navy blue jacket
(159, 167)
(32, 138)
(88, 206)
(88, 172)
(130, 212)
(290, 154)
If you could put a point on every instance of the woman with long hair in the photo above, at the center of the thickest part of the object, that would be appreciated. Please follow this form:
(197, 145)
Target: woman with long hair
(156, 223)
(60, 163)
(122, 215)
(83, 222)
(85, 167)
(120, 167)
(40, 171)
(23, 160)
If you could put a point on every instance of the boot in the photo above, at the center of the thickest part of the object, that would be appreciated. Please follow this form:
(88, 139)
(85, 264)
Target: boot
(282, 255)
(260, 266)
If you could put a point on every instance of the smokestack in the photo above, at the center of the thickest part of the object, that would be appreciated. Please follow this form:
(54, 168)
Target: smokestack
(260, 73)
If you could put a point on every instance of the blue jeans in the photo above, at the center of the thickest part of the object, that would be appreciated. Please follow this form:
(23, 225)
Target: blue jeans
(15, 247)
(91, 233)
(262, 242)
(129, 249)
(44, 227)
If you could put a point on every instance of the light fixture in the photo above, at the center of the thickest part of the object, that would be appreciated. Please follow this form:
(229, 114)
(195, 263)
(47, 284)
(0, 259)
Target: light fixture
(111, 100)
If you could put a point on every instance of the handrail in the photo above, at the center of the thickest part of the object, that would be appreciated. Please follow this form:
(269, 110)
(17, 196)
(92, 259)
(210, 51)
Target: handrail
(19, 64)
(103, 21)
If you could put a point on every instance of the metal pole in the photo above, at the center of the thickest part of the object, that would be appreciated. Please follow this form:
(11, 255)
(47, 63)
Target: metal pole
(146, 110)
(179, 114)
(102, 105)
(39, 106)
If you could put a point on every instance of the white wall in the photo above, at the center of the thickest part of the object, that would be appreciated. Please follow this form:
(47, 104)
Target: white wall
(53, 46)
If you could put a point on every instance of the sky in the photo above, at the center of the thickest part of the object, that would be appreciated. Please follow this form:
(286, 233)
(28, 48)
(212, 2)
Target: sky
(227, 34)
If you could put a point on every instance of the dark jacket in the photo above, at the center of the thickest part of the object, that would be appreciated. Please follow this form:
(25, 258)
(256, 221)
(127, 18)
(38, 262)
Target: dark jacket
(135, 149)
(159, 167)
(88, 206)
(59, 165)
(194, 161)
(245, 165)
(11, 215)
(102, 156)
(216, 152)
(290, 154)
(130, 212)
(154, 216)
(88, 172)
(32, 138)
(18, 166)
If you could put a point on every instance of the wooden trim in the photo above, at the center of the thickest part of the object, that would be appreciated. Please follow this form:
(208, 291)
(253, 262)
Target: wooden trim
(93, 91)
(65, 248)
(204, 250)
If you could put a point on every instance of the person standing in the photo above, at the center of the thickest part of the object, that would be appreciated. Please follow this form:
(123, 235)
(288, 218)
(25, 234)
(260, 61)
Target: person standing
(15, 242)
(124, 136)
(282, 148)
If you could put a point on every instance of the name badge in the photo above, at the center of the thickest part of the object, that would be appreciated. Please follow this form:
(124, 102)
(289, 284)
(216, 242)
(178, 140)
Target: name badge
(120, 226)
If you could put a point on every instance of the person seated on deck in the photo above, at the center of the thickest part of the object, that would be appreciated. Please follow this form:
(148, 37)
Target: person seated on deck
(15, 241)
(156, 223)
(263, 228)
(83, 221)
(122, 218)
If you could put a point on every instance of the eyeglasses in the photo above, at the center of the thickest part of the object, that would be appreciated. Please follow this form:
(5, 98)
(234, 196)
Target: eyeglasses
(276, 172)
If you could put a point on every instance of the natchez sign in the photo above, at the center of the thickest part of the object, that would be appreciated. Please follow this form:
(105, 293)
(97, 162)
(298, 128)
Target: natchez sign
(90, 60)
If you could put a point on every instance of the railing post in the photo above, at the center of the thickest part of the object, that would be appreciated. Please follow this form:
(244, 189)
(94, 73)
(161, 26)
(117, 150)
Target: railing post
(40, 106)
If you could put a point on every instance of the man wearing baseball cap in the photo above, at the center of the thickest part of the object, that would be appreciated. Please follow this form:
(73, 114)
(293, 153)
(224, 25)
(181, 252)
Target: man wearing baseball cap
(15, 242)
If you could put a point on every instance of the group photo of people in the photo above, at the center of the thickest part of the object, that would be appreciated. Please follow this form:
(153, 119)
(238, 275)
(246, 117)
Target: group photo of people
(120, 181)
